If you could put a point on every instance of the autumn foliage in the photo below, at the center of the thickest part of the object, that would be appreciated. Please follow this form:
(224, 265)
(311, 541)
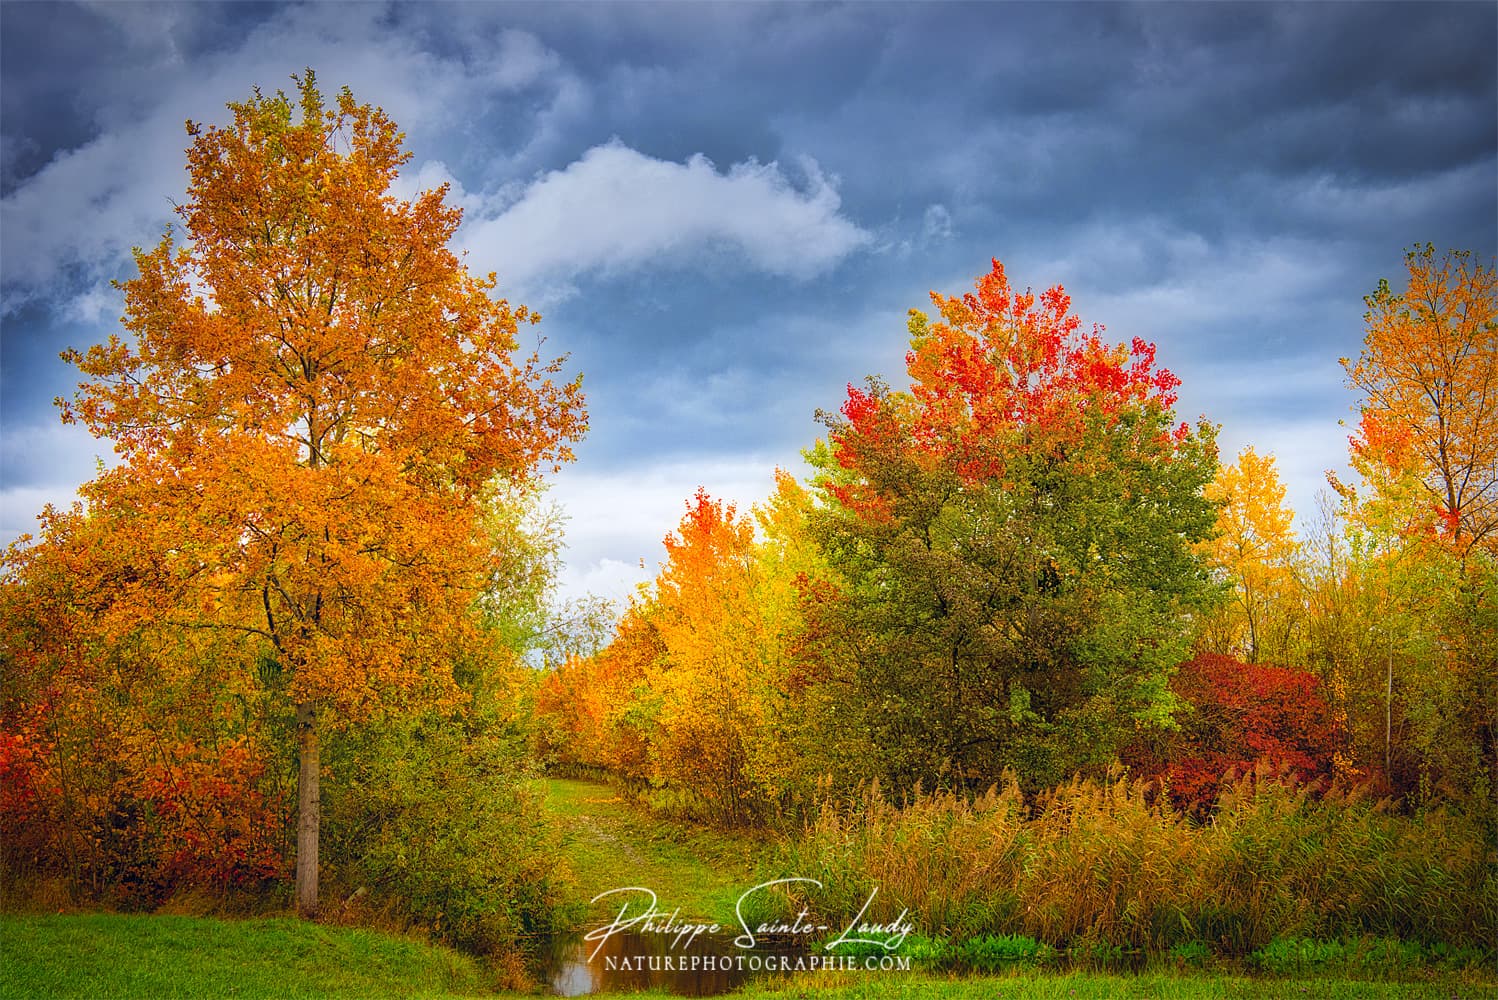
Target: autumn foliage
(693, 697)
(313, 402)
(1011, 544)
(1239, 719)
(1428, 372)
(1002, 371)
(1025, 563)
(313, 560)
(992, 570)
(1254, 551)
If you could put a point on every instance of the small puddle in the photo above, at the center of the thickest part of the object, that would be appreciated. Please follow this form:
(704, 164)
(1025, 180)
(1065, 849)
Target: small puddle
(627, 961)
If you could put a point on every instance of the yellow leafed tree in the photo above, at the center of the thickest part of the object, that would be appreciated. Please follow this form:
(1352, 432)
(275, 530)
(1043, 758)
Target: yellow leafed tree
(1255, 551)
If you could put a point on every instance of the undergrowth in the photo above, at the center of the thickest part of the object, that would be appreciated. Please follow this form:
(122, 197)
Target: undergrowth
(1099, 867)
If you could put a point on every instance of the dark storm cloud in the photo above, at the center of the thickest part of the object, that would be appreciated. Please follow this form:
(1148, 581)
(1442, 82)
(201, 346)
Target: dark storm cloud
(69, 67)
(1226, 179)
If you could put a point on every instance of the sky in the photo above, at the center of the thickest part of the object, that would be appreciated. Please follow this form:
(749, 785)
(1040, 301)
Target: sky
(724, 211)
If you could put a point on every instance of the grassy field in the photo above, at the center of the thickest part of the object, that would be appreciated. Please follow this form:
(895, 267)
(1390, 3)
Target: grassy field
(1098, 986)
(611, 845)
(124, 956)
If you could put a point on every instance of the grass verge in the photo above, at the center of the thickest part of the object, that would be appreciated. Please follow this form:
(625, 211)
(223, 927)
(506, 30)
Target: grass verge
(129, 956)
(123, 956)
(1101, 986)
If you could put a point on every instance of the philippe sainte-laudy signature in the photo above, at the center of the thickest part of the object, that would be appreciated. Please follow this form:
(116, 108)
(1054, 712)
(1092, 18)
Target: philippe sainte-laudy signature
(651, 920)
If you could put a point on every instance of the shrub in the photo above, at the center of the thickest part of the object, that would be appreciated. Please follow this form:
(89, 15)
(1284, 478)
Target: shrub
(1190, 954)
(1242, 716)
(991, 952)
(439, 816)
(1105, 865)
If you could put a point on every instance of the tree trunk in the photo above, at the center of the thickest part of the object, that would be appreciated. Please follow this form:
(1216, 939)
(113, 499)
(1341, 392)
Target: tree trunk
(309, 809)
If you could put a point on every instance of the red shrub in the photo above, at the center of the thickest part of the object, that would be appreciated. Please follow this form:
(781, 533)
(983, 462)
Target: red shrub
(1241, 716)
(212, 825)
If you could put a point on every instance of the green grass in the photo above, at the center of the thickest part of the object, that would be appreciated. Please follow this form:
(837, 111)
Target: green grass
(610, 845)
(1087, 986)
(123, 956)
(1095, 986)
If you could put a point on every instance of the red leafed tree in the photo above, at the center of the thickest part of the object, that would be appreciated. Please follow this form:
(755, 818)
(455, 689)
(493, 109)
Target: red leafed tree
(1005, 362)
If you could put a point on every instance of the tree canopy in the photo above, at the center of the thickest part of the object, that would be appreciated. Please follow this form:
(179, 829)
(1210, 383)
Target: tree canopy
(1014, 536)
(313, 403)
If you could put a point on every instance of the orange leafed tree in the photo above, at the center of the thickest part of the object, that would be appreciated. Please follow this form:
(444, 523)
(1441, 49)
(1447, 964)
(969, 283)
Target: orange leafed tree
(1426, 448)
(313, 401)
(1428, 372)
(709, 625)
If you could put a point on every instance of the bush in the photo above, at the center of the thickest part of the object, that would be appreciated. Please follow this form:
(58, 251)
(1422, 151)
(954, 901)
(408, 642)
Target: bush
(1190, 954)
(992, 952)
(1242, 716)
(132, 822)
(438, 816)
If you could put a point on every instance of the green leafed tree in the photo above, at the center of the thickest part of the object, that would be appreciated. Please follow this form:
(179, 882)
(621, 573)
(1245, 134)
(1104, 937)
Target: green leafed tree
(1013, 544)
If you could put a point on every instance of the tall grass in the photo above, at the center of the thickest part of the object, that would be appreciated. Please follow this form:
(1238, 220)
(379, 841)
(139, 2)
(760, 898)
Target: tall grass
(1107, 862)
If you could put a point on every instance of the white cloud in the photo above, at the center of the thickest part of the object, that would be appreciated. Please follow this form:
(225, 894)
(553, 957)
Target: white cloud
(58, 457)
(936, 224)
(431, 175)
(1154, 279)
(616, 210)
(518, 61)
(99, 304)
(20, 506)
(1330, 203)
(618, 518)
(611, 579)
(613, 210)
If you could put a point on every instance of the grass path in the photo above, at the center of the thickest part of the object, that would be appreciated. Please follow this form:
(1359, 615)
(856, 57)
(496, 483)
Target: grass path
(611, 845)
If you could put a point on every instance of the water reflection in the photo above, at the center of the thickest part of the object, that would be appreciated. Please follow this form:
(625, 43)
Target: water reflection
(627, 961)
